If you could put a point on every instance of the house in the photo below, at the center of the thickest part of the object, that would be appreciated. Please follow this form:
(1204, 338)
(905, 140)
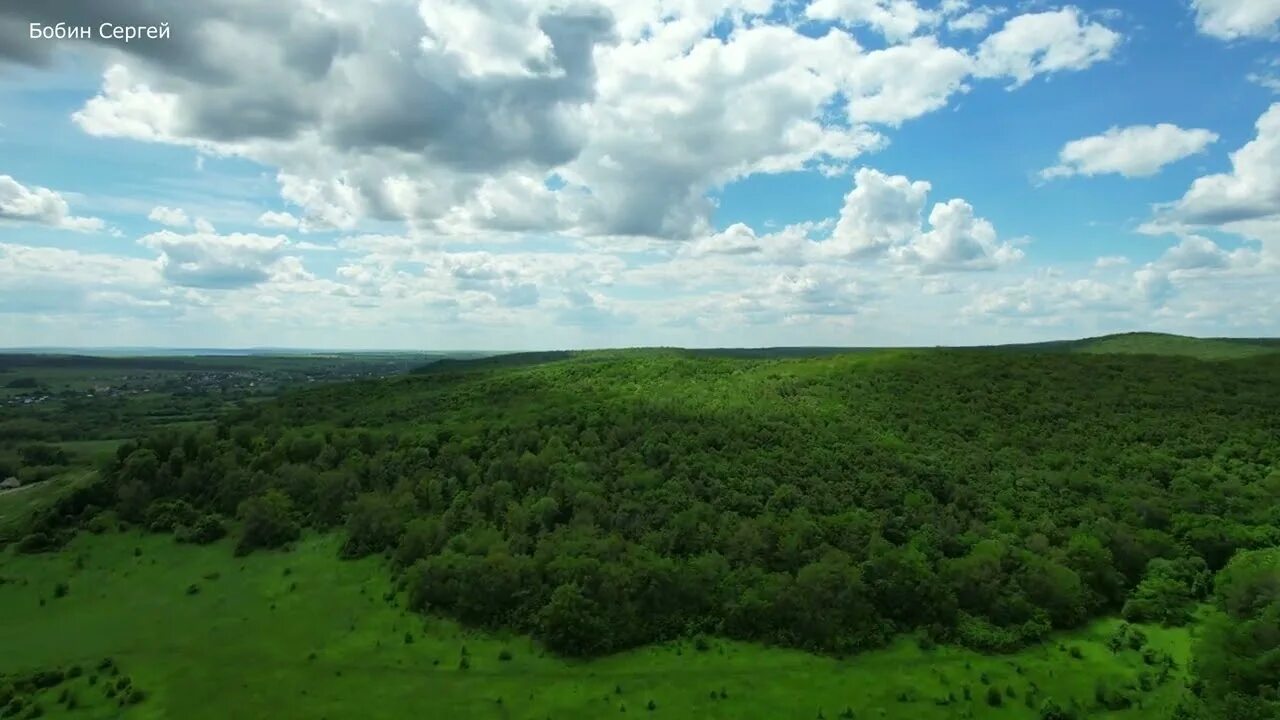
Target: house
(10, 483)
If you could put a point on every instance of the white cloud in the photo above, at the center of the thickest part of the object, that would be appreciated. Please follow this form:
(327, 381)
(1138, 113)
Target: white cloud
(54, 280)
(453, 115)
(897, 20)
(1110, 261)
(1250, 191)
(173, 217)
(1046, 42)
(204, 259)
(278, 220)
(41, 205)
(882, 217)
(1050, 299)
(957, 240)
(1137, 151)
(1233, 19)
(975, 21)
(1268, 80)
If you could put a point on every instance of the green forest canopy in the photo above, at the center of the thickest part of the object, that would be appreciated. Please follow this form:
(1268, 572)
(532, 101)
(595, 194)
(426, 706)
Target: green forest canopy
(614, 499)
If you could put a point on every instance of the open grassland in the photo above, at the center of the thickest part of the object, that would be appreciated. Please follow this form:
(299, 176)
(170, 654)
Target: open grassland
(1160, 344)
(202, 634)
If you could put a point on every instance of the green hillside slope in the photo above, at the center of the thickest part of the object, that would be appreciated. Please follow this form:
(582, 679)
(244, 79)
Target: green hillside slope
(611, 501)
(1160, 344)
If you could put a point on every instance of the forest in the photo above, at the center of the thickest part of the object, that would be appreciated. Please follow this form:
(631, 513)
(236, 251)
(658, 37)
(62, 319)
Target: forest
(609, 500)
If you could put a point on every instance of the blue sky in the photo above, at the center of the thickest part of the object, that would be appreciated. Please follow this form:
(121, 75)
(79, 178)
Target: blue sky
(675, 172)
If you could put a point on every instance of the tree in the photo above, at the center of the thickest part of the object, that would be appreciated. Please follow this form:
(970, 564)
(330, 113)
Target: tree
(267, 521)
(1168, 591)
(572, 623)
(374, 524)
(1236, 655)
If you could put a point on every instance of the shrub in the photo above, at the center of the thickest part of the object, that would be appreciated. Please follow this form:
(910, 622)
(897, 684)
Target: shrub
(61, 589)
(167, 515)
(38, 542)
(207, 529)
(44, 679)
(994, 698)
(504, 655)
(268, 522)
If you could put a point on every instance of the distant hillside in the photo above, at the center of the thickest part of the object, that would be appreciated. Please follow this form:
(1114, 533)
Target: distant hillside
(1137, 343)
(1162, 344)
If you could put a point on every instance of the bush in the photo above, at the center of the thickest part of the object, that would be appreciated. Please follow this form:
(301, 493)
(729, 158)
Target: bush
(504, 655)
(38, 542)
(61, 589)
(167, 515)
(103, 522)
(268, 522)
(994, 698)
(207, 529)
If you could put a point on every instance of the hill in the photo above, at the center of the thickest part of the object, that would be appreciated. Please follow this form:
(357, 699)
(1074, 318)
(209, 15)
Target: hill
(1161, 344)
(610, 501)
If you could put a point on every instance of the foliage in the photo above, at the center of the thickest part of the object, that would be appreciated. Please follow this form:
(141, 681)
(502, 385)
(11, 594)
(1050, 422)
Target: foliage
(617, 499)
(1236, 658)
(267, 521)
(1169, 591)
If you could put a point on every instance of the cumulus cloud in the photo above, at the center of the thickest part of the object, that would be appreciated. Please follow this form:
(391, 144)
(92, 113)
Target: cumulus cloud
(1233, 19)
(41, 205)
(897, 20)
(55, 280)
(204, 259)
(882, 217)
(957, 240)
(1045, 42)
(975, 20)
(173, 217)
(1050, 298)
(598, 118)
(1251, 191)
(1137, 151)
(279, 220)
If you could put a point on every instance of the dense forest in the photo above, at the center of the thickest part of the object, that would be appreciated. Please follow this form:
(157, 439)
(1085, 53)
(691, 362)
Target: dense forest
(614, 499)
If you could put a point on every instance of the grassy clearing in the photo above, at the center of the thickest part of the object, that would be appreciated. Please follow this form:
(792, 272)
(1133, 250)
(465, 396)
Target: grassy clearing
(1159, 344)
(90, 451)
(17, 506)
(302, 634)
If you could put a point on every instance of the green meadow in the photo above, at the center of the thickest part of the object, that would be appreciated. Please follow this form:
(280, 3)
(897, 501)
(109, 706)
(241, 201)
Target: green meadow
(301, 634)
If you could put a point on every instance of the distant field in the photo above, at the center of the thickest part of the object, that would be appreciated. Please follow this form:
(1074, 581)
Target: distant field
(1156, 344)
(303, 635)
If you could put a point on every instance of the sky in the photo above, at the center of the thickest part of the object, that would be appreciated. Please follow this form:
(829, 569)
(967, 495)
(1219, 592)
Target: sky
(548, 174)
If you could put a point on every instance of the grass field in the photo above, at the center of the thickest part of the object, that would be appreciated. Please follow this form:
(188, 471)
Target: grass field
(302, 634)
(16, 506)
(1160, 344)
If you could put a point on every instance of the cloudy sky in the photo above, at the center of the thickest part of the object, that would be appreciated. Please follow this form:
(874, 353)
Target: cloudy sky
(510, 174)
